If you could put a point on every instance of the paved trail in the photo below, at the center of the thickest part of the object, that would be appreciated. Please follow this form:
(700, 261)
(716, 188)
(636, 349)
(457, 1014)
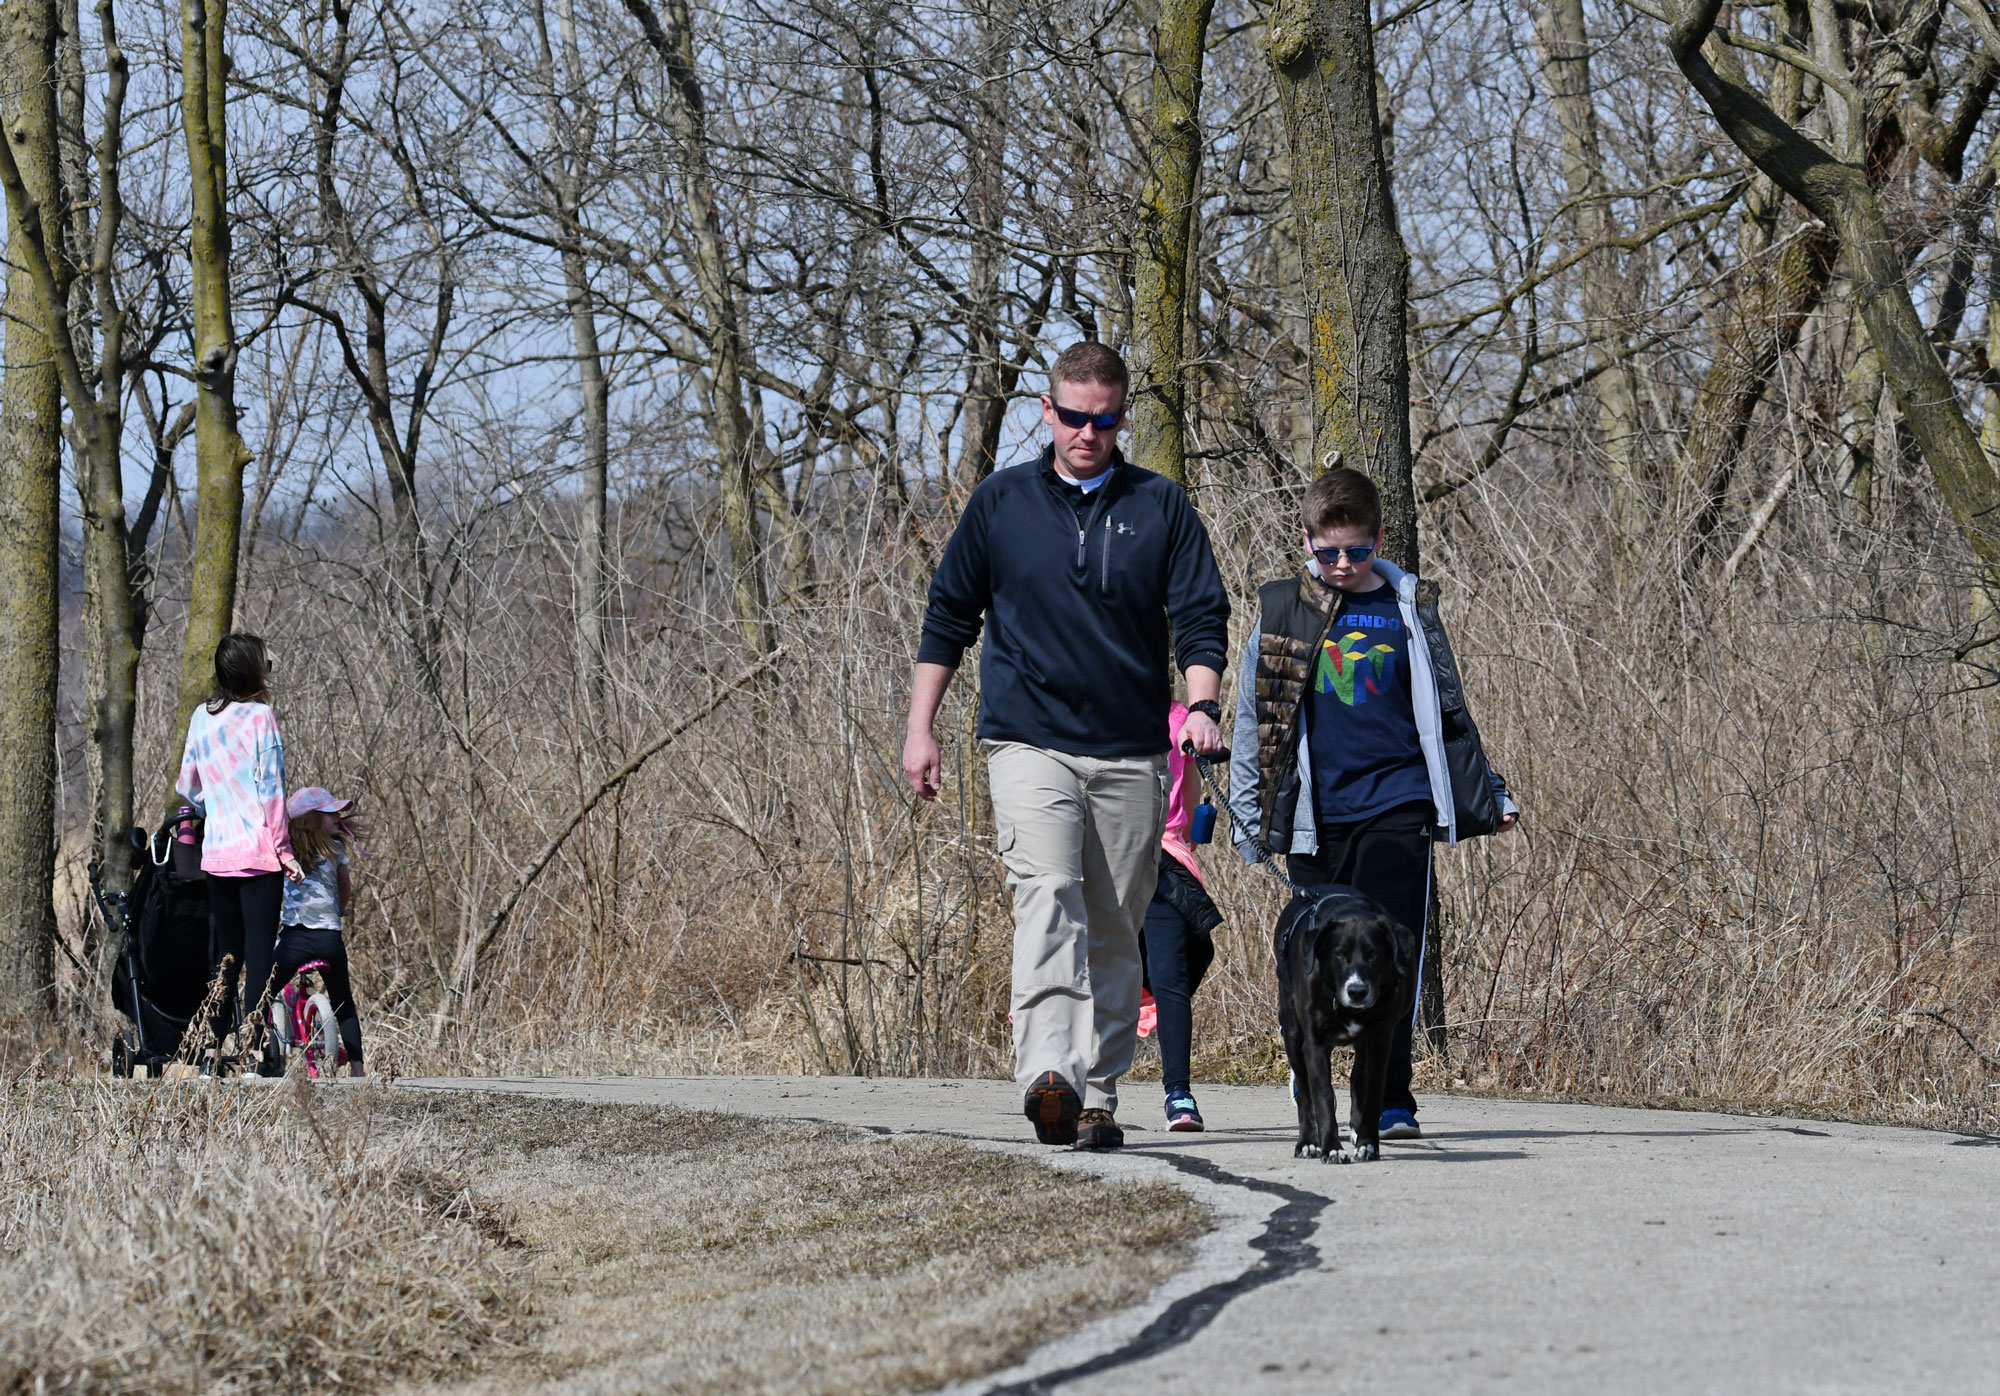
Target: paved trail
(1519, 1247)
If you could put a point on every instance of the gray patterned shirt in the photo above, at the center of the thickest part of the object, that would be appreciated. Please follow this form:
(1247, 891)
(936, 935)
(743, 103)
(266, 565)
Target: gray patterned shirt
(315, 903)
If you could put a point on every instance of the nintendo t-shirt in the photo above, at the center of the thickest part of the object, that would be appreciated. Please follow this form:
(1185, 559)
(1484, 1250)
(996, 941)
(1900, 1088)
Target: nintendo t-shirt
(1360, 729)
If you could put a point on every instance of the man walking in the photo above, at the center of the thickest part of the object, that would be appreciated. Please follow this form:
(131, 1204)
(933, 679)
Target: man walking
(1076, 563)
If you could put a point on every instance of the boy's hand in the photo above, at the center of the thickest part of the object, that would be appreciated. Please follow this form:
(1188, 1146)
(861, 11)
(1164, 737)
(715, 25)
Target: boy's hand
(1508, 821)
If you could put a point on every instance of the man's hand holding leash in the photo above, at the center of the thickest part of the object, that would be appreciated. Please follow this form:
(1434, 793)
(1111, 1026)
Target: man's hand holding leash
(1203, 728)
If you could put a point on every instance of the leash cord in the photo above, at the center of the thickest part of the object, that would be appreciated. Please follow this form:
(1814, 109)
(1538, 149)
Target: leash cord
(1268, 861)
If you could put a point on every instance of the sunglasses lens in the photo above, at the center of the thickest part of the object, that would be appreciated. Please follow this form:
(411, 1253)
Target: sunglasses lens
(1076, 421)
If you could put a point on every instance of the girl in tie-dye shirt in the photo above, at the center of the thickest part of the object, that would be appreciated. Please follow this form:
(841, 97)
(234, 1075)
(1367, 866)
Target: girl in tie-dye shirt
(233, 771)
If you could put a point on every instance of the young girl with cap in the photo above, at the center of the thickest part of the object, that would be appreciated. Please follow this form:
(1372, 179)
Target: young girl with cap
(315, 904)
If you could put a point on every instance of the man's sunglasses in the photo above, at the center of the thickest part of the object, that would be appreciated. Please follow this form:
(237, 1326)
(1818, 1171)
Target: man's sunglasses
(1356, 555)
(1077, 421)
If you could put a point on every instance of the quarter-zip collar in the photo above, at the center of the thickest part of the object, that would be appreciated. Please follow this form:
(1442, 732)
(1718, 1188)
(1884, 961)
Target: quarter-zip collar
(1099, 499)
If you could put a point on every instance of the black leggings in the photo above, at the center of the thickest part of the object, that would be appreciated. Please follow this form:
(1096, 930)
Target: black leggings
(244, 913)
(1165, 941)
(300, 945)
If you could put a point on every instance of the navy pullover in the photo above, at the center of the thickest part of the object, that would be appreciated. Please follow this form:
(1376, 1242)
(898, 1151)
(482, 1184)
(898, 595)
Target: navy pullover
(1078, 591)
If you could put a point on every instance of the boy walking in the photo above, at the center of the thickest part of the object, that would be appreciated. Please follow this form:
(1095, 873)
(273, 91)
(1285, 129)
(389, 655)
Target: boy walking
(1352, 734)
(1074, 563)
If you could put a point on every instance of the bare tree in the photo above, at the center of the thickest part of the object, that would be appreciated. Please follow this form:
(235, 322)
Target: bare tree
(30, 482)
(1566, 66)
(1837, 192)
(1161, 239)
(220, 454)
(729, 419)
(1355, 266)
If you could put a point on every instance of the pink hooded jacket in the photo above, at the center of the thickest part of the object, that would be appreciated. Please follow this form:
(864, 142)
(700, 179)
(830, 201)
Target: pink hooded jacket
(1186, 794)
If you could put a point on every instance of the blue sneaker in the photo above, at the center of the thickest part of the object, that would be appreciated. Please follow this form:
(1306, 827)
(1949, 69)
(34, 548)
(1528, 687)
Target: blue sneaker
(1182, 1117)
(1400, 1124)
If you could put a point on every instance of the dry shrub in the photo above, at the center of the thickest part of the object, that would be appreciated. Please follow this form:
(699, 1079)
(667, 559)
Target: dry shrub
(185, 1237)
(1764, 829)
(1758, 862)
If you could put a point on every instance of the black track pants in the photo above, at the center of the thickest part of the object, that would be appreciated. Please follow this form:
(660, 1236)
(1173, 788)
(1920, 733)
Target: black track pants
(244, 912)
(1387, 857)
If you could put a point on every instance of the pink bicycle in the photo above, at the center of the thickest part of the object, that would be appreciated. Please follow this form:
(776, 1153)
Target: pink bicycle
(302, 1019)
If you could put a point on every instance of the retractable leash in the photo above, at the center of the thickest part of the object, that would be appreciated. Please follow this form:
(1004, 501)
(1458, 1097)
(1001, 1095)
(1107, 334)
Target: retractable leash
(1201, 826)
(1201, 829)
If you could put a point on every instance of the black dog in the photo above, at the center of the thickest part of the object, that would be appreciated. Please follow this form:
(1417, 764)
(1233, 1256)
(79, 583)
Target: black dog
(1346, 976)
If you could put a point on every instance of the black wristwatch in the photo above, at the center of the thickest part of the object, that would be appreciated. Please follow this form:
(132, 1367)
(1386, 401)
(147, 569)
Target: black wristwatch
(1209, 709)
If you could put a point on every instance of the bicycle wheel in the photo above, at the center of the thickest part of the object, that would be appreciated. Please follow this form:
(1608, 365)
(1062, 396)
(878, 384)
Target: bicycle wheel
(319, 1036)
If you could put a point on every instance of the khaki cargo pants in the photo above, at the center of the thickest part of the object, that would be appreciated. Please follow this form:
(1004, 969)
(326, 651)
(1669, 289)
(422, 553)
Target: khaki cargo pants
(1080, 836)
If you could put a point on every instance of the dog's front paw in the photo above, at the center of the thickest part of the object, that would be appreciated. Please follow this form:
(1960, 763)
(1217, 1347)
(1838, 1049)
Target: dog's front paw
(1302, 1149)
(1367, 1153)
(1335, 1156)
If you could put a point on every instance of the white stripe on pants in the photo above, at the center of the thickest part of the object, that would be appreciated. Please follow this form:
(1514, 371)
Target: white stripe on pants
(1080, 836)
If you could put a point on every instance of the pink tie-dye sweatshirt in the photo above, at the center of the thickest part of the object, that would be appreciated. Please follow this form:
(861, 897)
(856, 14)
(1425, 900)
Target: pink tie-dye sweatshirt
(233, 770)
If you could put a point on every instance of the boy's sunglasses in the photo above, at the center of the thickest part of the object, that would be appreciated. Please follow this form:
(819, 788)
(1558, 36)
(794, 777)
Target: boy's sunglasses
(1356, 555)
(1077, 421)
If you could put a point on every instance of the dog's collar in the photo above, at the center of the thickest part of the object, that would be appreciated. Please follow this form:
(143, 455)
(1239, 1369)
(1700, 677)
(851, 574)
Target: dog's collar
(1315, 897)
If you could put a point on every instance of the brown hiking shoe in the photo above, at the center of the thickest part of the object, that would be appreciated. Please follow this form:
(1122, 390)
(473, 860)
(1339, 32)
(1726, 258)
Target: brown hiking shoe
(1053, 1107)
(1097, 1130)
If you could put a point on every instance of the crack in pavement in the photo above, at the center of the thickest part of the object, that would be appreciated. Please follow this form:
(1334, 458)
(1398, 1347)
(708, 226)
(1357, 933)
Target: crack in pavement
(1284, 1247)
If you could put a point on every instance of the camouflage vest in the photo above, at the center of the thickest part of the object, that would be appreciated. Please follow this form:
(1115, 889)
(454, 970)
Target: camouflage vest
(1294, 616)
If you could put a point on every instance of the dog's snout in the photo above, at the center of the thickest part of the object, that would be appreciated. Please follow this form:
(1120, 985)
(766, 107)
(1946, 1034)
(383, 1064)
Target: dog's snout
(1356, 992)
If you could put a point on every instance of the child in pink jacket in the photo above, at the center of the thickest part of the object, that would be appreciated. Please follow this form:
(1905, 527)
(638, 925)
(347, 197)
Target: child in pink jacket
(233, 771)
(1176, 940)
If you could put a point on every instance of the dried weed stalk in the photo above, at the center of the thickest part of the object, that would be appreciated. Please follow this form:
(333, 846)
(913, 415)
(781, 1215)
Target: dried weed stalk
(195, 1236)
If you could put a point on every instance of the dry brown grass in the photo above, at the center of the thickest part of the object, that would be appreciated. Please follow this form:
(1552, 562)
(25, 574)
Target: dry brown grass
(195, 1236)
(1760, 859)
(689, 1252)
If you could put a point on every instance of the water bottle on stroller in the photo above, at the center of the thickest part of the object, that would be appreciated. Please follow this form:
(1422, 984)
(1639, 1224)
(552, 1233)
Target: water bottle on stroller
(184, 833)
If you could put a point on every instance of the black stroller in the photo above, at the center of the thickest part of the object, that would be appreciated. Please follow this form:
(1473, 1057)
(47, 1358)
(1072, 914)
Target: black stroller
(166, 953)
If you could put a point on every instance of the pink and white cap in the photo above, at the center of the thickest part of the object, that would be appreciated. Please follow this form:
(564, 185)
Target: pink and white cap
(315, 797)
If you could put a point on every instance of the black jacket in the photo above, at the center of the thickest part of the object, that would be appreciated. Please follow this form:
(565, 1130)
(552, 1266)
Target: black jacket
(1077, 610)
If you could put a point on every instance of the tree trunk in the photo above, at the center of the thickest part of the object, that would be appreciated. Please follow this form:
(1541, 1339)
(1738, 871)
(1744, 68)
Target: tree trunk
(111, 581)
(220, 454)
(30, 479)
(1837, 193)
(1162, 240)
(729, 422)
(986, 210)
(1854, 478)
(1774, 296)
(370, 369)
(590, 584)
(45, 252)
(1566, 65)
(1356, 270)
